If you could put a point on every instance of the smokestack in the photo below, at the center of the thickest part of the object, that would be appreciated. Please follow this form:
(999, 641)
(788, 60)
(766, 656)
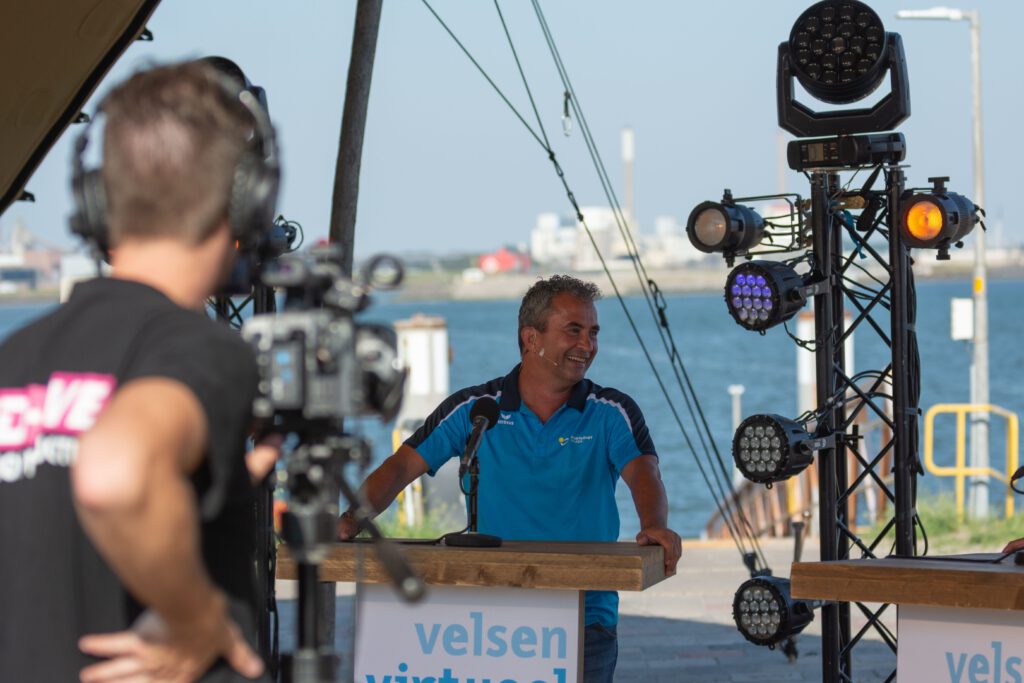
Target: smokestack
(628, 153)
(783, 166)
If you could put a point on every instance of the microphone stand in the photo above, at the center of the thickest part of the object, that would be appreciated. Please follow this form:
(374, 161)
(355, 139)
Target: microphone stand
(471, 538)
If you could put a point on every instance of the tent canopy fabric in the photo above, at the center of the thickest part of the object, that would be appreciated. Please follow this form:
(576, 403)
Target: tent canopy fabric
(53, 55)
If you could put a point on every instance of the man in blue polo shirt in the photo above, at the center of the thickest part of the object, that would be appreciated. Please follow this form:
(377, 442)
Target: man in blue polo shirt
(553, 459)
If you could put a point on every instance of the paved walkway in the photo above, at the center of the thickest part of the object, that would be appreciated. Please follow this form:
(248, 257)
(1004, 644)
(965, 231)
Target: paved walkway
(681, 631)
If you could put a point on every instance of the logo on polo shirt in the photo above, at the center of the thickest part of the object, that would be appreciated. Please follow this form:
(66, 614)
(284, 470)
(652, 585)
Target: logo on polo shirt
(562, 440)
(506, 419)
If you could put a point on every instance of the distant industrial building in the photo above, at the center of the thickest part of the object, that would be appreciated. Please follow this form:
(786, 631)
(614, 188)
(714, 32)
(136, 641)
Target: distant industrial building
(26, 262)
(560, 241)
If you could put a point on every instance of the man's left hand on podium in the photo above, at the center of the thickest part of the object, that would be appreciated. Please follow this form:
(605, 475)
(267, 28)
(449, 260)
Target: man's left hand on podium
(1014, 545)
(667, 539)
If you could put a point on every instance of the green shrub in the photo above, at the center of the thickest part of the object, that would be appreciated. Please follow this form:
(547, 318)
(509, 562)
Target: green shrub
(946, 535)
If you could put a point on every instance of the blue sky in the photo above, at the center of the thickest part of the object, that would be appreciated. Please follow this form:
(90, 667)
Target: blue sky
(446, 166)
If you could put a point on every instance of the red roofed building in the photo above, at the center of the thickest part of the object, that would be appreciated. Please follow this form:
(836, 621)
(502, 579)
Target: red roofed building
(504, 260)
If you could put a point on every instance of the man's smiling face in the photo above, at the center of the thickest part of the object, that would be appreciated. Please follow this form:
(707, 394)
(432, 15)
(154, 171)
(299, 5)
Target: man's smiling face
(569, 340)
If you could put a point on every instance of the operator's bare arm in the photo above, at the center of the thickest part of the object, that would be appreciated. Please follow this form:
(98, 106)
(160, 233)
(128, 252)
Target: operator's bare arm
(384, 483)
(643, 478)
(135, 502)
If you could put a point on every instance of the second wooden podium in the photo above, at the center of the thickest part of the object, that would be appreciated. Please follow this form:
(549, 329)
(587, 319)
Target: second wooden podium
(960, 619)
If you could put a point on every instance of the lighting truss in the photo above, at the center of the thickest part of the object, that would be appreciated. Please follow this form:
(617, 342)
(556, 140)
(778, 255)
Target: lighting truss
(842, 399)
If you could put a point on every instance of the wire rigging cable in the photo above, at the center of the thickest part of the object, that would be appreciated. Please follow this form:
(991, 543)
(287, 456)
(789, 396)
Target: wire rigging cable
(655, 303)
(731, 513)
(653, 298)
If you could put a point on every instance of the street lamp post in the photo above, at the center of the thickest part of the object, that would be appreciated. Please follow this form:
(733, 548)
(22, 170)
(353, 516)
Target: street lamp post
(736, 391)
(978, 501)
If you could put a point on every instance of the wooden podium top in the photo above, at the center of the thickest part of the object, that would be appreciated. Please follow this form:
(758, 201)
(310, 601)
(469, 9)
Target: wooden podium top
(935, 581)
(517, 564)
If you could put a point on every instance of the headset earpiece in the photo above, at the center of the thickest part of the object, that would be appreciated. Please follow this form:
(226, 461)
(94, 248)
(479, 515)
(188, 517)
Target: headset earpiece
(257, 176)
(89, 221)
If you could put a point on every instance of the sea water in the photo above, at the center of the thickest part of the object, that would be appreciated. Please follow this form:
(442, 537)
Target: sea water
(716, 353)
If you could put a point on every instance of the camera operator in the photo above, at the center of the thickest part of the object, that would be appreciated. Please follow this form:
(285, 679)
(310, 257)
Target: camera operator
(124, 494)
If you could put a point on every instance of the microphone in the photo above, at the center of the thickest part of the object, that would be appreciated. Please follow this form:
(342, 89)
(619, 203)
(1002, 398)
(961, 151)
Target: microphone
(484, 415)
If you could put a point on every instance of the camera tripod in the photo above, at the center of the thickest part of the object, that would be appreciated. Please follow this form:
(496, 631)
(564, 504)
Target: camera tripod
(315, 483)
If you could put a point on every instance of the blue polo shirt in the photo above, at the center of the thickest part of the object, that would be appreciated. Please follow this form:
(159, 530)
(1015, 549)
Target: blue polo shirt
(551, 481)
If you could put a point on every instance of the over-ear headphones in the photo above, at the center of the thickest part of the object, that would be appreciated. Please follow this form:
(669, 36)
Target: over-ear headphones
(254, 188)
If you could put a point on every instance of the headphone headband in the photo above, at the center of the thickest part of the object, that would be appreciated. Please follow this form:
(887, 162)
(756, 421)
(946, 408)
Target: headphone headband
(254, 186)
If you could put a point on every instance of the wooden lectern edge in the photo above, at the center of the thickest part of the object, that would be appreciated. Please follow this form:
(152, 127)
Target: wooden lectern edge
(912, 582)
(542, 566)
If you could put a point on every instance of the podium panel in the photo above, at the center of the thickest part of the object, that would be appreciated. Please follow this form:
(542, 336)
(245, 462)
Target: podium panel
(464, 634)
(960, 645)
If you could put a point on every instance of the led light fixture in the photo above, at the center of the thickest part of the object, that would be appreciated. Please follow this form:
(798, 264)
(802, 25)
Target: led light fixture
(771, 448)
(766, 614)
(724, 227)
(761, 294)
(937, 219)
(839, 52)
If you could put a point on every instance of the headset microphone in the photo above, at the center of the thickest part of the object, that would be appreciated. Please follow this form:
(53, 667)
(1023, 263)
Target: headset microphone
(541, 354)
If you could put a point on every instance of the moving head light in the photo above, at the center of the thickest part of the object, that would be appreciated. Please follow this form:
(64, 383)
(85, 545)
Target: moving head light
(839, 51)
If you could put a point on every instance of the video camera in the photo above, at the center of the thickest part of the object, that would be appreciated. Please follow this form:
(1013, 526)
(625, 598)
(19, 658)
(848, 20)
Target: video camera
(316, 364)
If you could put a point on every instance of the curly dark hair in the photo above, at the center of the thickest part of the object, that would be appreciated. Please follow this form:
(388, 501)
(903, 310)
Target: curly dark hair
(533, 311)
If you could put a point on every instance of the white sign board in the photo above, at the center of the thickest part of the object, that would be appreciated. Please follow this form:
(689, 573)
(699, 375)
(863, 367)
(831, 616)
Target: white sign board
(950, 645)
(458, 635)
(961, 319)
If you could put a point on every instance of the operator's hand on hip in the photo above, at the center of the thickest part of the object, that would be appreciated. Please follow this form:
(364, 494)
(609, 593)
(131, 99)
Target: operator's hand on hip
(156, 650)
(1014, 545)
(667, 539)
(348, 527)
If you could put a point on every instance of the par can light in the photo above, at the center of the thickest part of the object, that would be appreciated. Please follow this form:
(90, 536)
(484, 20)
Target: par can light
(766, 614)
(762, 294)
(937, 219)
(724, 227)
(770, 448)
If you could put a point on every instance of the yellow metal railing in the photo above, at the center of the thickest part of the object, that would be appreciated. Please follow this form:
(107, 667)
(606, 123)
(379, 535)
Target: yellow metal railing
(961, 470)
(410, 513)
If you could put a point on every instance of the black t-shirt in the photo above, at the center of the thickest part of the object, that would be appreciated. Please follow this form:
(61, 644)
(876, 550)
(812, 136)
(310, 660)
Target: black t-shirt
(56, 375)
